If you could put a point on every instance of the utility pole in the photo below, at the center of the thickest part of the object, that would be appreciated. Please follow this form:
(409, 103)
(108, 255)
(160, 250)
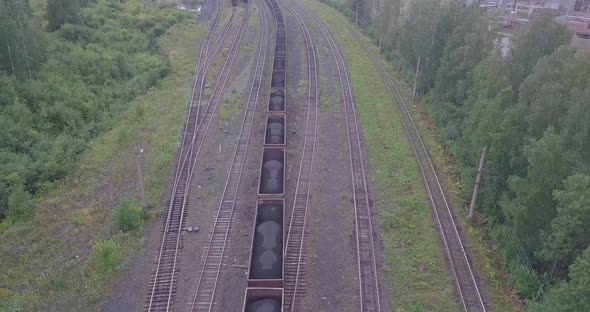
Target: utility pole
(416, 79)
(356, 19)
(10, 57)
(140, 178)
(477, 182)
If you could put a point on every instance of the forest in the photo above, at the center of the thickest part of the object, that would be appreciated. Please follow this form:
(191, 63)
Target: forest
(529, 107)
(68, 68)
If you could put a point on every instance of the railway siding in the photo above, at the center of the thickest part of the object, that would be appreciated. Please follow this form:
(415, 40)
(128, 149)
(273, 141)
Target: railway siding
(498, 291)
(415, 261)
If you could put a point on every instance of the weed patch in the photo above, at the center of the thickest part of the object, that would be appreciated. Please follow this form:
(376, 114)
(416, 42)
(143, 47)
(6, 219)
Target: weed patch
(128, 216)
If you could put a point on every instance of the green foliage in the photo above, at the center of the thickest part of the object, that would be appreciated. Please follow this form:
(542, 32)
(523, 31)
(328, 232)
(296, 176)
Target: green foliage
(128, 216)
(423, 37)
(59, 98)
(542, 38)
(21, 45)
(107, 258)
(570, 296)
(528, 106)
(16, 302)
(569, 234)
(20, 203)
(533, 207)
(60, 12)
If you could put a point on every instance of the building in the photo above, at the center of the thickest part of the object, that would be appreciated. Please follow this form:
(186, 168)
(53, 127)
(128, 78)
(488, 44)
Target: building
(581, 6)
(575, 5)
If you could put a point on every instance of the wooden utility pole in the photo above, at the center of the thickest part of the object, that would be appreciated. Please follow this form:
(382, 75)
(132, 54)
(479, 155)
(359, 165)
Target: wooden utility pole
(477, 182)
(140, 178)
(416, 79)
(10, 57)
(356, 19)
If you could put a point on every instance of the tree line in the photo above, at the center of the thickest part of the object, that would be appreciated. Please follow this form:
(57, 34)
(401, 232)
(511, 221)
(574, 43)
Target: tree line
(529, 106)
(65, 76)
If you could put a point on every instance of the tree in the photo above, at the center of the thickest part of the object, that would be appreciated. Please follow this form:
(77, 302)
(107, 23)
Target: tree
(388, 22)
(424, 35)
(570, 229)
(21, 45)
(570, 296)
(533, 208)
(60, 12)
(467, 46)
(542, 38)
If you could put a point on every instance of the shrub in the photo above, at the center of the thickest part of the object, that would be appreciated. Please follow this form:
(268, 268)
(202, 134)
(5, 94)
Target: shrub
(128, 216)
(108, 256)
(20, 204)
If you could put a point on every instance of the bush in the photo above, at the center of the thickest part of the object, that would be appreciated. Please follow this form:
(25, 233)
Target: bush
(108, 256)
(20, 204)
(128, 216)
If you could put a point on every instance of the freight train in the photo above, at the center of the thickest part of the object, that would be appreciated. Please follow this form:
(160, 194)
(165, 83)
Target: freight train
(266, 270)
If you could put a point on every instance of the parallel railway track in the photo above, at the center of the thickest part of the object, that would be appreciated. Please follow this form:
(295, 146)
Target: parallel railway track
(369, 297)
(194, 117)
(296, 246)
(212, 262)
(467, 288)
(162, 286)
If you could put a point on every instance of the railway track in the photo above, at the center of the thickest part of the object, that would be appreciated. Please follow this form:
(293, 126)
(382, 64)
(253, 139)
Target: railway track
(212, 261)
(369, 297)
(194, 117)
(162, 287)
(467, 287)
(296, 246)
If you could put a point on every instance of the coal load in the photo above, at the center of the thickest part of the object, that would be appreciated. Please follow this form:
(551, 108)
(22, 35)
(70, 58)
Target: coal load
(280, 51)
(275, 133)
(277, 103)
(279, 64)
(278, 79)
(264, 305)
(267, 249)
(272, 177)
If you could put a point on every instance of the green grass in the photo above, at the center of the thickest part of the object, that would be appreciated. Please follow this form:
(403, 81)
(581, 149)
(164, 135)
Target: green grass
(52, 262)
(415, 259)
(405, 218)
(478, 243)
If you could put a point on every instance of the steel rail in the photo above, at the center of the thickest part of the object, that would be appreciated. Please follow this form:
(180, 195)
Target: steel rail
(367, 267)
(467, 287)
(171, 240)
(294, 255)
(200, 81)
(209, 275)
(202, 58)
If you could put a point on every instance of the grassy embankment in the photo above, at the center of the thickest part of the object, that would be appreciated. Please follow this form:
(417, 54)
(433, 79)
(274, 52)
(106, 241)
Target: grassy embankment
(68, 256)
(416, 268)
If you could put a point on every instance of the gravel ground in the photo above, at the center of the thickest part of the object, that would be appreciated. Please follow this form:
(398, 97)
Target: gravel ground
(130, 292)
(331, 266)
(216, 159)
(232, 279)
(234, 276)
